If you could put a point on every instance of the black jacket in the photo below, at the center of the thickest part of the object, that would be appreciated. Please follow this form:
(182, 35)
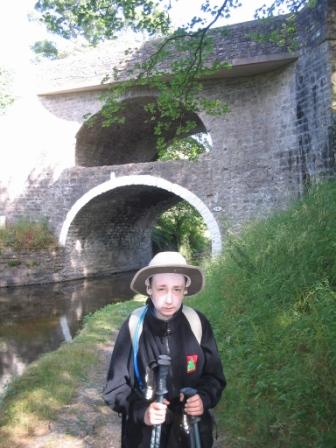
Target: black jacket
(176, 339)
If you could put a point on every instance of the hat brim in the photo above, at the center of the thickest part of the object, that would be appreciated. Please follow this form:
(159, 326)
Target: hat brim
(195, 274)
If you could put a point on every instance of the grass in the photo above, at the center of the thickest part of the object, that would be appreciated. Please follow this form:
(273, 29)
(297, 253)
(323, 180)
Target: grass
(272, 303)
(26, 235)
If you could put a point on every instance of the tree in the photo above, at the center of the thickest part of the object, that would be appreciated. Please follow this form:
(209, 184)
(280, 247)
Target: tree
(45, 48)
(178, 85)
(97, 20)
(187, 148)
(182, 228)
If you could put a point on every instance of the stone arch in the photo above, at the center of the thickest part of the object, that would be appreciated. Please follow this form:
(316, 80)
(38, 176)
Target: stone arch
(133, 141)
(150, 181)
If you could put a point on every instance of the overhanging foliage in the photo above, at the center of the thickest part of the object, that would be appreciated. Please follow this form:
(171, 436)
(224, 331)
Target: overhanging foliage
(178, 93)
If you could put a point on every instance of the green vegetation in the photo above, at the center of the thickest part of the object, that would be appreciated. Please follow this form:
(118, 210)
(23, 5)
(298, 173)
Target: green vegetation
(272, 302)
(46, 49)
(182, 228)
(189, 148)
(26, 235)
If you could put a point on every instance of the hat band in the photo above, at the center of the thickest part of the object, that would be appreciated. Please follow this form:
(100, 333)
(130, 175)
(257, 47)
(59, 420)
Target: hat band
(188, 280)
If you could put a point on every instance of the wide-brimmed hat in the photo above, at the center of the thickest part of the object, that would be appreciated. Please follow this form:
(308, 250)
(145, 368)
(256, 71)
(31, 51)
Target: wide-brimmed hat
(169, 262)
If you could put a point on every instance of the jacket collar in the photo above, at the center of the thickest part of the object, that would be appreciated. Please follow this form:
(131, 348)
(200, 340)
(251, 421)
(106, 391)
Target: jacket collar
(160, 326)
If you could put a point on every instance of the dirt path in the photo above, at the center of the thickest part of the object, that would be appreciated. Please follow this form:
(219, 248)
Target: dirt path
(87, 422)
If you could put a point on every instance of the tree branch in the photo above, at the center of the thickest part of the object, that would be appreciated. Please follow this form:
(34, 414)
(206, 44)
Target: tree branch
(198, 51)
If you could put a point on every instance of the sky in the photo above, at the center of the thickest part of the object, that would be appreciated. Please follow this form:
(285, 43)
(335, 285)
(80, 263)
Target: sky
(17, 34)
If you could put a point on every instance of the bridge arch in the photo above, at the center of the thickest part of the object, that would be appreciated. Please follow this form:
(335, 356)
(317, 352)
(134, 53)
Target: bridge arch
(148, 181)
(134, 140)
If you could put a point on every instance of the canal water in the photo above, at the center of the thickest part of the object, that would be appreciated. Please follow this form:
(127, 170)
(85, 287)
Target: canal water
(38, 319)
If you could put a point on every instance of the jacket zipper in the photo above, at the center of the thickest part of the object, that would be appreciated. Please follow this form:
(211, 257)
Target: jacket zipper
(167, 333)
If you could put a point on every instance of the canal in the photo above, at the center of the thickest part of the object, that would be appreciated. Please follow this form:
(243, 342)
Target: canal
(38, 319)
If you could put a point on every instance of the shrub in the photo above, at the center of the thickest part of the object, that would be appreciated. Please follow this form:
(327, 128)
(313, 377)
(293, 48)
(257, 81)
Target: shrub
(26, 235)
(182, 228)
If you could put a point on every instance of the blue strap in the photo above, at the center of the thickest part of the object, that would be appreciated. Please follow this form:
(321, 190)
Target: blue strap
(136, 338)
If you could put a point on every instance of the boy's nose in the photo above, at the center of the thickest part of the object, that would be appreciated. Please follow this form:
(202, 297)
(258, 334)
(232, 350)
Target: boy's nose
(169, 297)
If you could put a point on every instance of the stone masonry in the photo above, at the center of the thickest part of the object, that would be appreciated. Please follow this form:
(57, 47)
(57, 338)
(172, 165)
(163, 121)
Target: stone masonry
(102, 189)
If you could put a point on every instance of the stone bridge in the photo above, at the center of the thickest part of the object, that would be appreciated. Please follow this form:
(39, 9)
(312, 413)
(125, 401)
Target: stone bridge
(102, 188)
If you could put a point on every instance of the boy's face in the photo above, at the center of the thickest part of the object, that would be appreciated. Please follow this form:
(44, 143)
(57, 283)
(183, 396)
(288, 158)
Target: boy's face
(167, 292)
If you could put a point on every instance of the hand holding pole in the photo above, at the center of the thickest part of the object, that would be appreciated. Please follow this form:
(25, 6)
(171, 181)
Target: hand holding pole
(163, 363)
(195, 439)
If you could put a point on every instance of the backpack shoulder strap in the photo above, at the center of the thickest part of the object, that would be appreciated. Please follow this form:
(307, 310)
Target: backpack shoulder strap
(135, 322)
(135, 325)
(194, 321)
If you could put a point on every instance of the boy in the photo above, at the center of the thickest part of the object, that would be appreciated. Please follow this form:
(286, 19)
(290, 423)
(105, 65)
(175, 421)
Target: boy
(165, 327)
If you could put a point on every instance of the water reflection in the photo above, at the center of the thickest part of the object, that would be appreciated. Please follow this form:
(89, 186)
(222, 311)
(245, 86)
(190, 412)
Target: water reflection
(37, 319)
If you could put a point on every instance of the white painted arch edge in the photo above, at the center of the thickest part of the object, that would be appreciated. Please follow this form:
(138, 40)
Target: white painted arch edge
(152, 181)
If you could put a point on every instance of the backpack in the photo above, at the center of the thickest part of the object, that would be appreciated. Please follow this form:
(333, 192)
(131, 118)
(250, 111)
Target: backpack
(135, 325)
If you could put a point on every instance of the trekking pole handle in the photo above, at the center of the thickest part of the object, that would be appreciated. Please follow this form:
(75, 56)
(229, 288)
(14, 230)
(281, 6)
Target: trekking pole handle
(161, 389)
(188, 392)
(163, 364)
(195, 436)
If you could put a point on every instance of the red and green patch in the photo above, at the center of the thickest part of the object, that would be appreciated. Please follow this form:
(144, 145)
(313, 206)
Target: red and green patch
(191, 363)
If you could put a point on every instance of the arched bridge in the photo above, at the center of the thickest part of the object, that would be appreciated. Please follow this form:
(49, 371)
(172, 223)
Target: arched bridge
(103, 188)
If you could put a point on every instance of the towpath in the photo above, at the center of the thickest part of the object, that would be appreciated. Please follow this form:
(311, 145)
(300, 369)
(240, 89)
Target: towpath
(86, 422)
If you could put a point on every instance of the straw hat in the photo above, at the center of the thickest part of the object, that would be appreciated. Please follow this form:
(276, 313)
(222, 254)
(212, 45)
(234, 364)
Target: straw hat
(169, 262)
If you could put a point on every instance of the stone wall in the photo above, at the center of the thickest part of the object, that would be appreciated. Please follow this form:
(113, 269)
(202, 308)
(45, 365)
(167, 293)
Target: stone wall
(27, 268)
(48, 266)
(249, 143)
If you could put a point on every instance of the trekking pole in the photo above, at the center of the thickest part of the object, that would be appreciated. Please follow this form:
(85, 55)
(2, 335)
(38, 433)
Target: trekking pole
(163, 363)
(195, 439)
